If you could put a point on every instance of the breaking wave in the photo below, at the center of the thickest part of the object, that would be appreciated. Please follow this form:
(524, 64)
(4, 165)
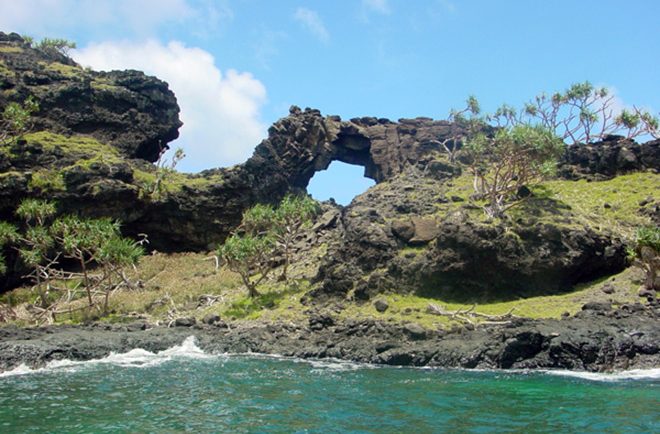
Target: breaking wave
(137, 357)
(634, 374)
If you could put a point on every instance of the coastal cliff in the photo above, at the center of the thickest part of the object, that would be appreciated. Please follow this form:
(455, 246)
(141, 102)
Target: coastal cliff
(412, 241)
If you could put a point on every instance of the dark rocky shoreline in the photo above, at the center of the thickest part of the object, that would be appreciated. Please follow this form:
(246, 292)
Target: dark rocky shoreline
(597, 339)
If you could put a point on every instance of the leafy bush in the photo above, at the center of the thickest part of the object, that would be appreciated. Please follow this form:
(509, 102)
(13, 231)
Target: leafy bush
(290, 217)
(511, 159)
(646, 255)
(155, 188)
(94, 244)
(249, 255)
(55, 45)
(583, 113)
(264, 233)
(16, 120)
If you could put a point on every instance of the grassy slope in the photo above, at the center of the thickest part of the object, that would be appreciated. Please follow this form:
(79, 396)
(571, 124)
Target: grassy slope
(173, 284)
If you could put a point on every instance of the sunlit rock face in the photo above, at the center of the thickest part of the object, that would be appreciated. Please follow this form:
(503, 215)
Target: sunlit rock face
(96, 135)
(134, 112)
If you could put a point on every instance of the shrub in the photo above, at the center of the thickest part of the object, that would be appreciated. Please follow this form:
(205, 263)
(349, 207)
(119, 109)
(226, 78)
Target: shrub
(249, 255)
(583, 113)
(55, 45)
(646, 255)
(155, 188)
(94, 244)
(511, 159)
(16, 120)
(290, 217)
(8, 234)
(264, 233)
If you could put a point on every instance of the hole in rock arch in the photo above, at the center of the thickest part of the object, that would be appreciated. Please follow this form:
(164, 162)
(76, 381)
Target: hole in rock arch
(340, 181)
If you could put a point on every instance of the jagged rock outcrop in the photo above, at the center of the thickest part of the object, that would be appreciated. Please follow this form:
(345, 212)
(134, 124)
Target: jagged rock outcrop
(605, 159)
(603, 340)
(96, 133)
(136, 113)
(415, 235)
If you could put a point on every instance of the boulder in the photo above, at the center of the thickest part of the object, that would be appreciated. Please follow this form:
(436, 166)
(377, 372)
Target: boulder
(426, 230)
(381, 305)
(211, 319)
(320, 321)
(597, 306)
(403, 229)
(415, 331)
(185, 321)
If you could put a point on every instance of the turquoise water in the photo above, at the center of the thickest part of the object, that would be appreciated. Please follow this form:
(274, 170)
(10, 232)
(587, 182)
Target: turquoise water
(184, 390)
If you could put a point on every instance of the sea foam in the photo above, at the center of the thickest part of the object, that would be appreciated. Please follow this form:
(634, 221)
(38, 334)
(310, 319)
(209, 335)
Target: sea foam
(633, 374)
(138, 358)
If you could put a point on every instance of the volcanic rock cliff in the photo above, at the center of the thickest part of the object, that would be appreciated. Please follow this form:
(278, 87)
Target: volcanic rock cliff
(96, 135)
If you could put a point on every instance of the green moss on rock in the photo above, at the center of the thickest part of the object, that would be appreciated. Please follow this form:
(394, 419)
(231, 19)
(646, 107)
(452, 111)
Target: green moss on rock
(77, 143)
(10, 49)
(46, 181)
(61, 68)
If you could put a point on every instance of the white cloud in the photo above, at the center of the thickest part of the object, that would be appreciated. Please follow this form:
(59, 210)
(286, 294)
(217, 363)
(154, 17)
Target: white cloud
(220, 111)
(379, 6)
(312, 22)
(58, 18)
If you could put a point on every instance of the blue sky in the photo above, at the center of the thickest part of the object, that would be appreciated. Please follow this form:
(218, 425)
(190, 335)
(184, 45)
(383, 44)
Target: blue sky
(237, 65)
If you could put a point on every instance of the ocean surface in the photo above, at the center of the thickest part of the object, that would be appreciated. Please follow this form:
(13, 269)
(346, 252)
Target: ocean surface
(185, 390)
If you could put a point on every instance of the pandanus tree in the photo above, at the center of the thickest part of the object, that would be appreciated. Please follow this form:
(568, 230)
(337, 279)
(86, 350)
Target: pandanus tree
(36, 244)
(266, 232)
(95, 245)
(96, 242)
(510, 159)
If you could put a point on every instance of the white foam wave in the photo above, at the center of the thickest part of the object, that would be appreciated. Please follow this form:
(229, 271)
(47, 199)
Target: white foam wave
(337, 365)
(633, 374)
(329, 363)
(137, 358)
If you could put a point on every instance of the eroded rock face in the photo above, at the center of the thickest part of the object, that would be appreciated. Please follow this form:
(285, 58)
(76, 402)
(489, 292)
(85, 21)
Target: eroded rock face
(128, 109)
(398, 238)
(605, 159)
(410, 231)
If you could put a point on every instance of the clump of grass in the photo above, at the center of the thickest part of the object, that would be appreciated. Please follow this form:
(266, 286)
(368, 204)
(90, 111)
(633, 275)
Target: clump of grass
(10, 49)
(612, 204)
(174, 182)
(61, 68)
(47, 181)
(413, 308)
(83, 146)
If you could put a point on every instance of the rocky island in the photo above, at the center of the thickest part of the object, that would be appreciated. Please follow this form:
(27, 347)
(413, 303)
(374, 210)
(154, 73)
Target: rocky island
(411, 272)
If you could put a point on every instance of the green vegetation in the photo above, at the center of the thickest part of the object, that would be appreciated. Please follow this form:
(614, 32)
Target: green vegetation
(61, 68)
(172, 183)
(646, 255)
(292, 215)
(154, 185)
(264, 233)
(4, 71)
(249, 255)
(611, 205)
(15, 120)
(47, 181)
(79, 146)
(582, 113)
(42, 243)
(514, 149)
(514, 158)
(104, 84)
(54, 45)
(10, 49)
